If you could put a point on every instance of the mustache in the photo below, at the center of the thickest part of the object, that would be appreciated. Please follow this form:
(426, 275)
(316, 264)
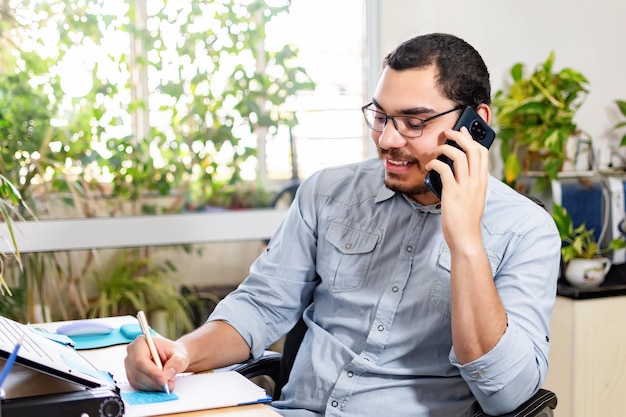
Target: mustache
(396, 154)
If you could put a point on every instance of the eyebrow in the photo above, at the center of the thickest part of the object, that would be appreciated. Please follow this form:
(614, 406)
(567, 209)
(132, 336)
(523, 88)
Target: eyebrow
(410, 111)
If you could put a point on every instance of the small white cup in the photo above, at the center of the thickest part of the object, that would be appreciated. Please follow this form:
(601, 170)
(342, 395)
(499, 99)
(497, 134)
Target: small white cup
(587, 273)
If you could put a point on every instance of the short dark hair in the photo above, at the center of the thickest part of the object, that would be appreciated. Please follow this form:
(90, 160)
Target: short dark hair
(463, 76)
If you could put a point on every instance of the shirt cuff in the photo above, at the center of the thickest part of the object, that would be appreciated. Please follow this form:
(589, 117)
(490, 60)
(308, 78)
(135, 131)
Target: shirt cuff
(226, 312)
(497, 368)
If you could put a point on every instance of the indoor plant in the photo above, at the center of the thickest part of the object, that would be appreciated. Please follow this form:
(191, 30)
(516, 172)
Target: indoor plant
(585, 263)
(225, 88)
(621, 105)
(534, 117)
(10, 203)
(138, 282)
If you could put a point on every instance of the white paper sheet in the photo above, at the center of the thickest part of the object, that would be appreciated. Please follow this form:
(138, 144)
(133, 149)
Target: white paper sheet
(201, 392)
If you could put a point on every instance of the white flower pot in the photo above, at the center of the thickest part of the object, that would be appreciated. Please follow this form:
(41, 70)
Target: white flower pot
(586, 273)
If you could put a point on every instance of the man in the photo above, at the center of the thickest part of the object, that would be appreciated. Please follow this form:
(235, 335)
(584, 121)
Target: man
(414, 306)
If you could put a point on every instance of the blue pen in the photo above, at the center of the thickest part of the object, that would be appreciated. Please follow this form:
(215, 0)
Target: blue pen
(9, 363)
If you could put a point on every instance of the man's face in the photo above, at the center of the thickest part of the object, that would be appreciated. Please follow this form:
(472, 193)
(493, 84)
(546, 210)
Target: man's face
(411, 92)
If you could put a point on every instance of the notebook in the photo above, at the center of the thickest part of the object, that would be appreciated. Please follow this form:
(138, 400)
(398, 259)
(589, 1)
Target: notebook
(194, 392)
(50, 357)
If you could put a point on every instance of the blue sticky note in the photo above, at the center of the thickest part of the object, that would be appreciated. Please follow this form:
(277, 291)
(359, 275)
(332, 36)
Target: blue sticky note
(59, 338)
(147, 397)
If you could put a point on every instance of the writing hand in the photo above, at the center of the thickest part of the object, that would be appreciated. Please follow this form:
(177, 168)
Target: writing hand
(143, 374)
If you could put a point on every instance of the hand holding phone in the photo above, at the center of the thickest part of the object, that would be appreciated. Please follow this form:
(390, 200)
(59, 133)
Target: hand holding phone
(480, 131)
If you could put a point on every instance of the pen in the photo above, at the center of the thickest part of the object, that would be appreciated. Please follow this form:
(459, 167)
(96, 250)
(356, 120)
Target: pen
(9, 363)
(153, 350)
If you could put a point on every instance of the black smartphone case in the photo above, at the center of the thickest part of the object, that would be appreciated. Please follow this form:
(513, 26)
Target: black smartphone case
(480, 131)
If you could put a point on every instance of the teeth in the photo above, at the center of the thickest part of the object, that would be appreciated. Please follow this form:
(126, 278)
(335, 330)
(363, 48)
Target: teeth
(401, 163)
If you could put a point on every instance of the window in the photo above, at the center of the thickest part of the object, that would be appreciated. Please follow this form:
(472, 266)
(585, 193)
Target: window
(149, 95)
(330, 38)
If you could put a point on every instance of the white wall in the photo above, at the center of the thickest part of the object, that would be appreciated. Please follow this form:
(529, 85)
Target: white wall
(587, 36)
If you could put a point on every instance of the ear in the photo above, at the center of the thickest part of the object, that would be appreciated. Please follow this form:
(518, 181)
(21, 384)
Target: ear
(485, 112)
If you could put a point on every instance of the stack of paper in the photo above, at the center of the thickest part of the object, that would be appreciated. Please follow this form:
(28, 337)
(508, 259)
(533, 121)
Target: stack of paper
(194, 392)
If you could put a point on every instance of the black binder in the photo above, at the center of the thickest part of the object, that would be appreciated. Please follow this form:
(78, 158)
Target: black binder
(93, 402)
(53, 380)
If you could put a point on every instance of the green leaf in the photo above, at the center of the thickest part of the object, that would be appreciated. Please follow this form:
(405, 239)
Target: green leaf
(552, 141)
(549, 62)
(621, 104)
(616, 244)
(552, 166)
(562, 220)
(517, 71)
(512, 168)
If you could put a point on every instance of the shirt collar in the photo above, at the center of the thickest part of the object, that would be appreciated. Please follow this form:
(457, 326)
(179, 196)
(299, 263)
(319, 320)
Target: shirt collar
(385, 194)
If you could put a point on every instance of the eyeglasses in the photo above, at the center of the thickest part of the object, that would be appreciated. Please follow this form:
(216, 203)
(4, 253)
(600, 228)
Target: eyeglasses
(407, 126)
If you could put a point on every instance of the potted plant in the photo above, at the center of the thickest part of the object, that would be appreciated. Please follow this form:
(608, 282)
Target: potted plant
(138, 282)
(585, 262)
(10, 201)
(241, 195)
(534, 117)
(621, 105)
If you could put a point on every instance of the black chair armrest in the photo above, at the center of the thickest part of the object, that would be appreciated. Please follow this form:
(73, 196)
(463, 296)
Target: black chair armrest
(542, 402)
(268, 365)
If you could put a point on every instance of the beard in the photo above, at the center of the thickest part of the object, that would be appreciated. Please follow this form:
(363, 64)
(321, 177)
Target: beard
(396, 182)
(408, 189)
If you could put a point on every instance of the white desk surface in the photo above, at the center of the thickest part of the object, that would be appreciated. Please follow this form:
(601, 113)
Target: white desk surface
(112, 359)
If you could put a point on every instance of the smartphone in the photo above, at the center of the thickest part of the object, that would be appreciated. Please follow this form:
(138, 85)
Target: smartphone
(480, 131)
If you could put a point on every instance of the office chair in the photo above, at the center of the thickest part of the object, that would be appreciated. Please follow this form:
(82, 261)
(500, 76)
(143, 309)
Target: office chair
(277, 366)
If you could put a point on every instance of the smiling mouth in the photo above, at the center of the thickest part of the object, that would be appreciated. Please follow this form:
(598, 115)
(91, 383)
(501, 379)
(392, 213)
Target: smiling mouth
(398, 163)
(398, 167)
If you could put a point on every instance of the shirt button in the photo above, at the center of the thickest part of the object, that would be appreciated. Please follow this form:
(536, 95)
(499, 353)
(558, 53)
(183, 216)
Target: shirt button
(334, 403)
(350, 374)
(381, 327)
(395, 288)
(409, 249)
(348, 245)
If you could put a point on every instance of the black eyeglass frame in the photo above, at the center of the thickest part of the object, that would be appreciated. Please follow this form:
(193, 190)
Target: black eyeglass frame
(423, 122)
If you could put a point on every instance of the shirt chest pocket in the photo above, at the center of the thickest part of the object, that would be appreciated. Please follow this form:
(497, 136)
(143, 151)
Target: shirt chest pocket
(440, 290)
(345, 256)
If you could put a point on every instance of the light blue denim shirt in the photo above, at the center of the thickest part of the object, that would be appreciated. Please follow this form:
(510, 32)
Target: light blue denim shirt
(378, 270)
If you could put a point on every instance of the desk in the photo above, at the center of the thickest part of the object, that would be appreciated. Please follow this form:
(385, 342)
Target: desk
(588, 353)
(254, 410)
(111, 359)
(588, 357)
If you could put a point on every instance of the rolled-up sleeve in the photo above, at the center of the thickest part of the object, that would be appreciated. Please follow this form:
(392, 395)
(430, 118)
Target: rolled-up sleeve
(515, 368)
(273, 296)
(499, 389)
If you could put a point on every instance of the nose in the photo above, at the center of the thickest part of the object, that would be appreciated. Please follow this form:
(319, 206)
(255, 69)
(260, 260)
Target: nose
(390, 137)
